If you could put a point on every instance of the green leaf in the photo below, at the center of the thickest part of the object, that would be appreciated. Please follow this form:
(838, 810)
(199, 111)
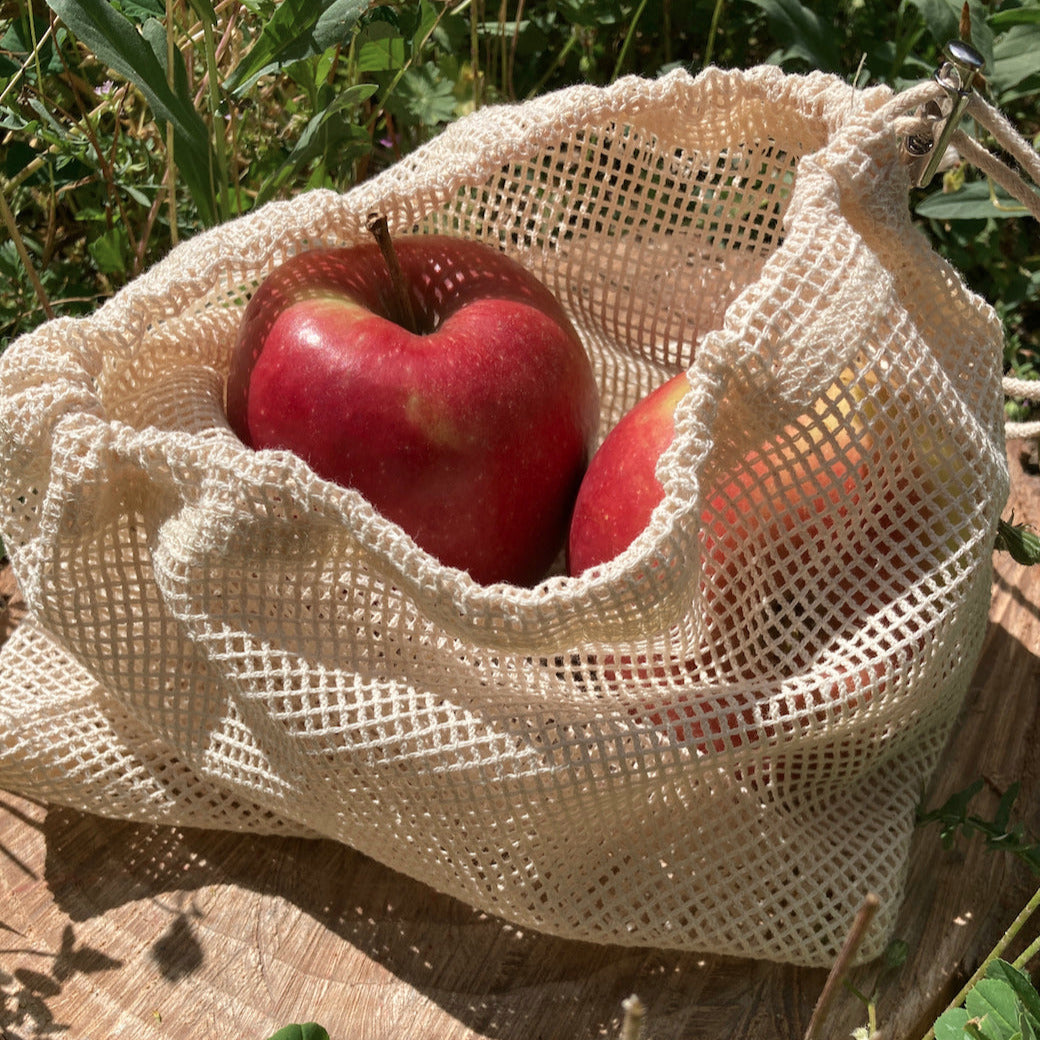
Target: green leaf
(19, 41)
(1002, 817)
(972, 202)
(1015, 58)
(1016, 16)
(803, 33)
(591, 13)
(942, 18)
(109, 250)
(994, 1002)
(428, 18)
(975, 1031)
(425, 96)
(140, 197)
(307, 1031)
(1020, 541)
(955, 808)
(951, 1025)
(41, 110)
(204, 9)
(298, 29)
(114, 40)
(1022, 985)
(324, 136)
(140, 10)
(383, 54)
(154, 33)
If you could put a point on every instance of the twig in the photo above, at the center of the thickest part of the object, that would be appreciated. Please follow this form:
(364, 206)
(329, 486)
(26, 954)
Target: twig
(171, 161)
(12, 229)
(860, 924)
(632, 1024)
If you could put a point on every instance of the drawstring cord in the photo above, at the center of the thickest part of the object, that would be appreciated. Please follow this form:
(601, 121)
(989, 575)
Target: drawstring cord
(918, 115)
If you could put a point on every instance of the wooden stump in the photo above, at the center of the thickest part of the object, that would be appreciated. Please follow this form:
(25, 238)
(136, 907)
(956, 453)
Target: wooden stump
(116, 930)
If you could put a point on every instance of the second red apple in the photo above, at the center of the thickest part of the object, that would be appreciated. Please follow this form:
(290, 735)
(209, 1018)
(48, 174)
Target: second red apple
(793, 547)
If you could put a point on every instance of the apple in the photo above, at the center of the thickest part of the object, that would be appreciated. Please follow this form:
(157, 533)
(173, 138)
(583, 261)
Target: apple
(436, 376)
(620, 489)
(797, 546)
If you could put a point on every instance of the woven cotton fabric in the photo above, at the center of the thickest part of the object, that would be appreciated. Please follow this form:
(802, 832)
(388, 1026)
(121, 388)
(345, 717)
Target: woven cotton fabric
(715, 742)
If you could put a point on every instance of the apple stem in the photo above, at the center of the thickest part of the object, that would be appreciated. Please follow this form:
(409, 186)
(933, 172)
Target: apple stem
(377, 224)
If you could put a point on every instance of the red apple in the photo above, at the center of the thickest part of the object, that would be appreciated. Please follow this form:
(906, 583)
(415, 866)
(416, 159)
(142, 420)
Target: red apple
(620, 489)
(440, 379)
(788, 479)
(797, 545)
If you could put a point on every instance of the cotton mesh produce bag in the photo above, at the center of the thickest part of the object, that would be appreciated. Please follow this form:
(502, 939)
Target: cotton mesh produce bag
(714, 742)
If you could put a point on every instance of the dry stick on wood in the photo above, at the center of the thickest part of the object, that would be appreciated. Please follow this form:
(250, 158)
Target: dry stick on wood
(380, 229)
(860, 924)
(632, 1025)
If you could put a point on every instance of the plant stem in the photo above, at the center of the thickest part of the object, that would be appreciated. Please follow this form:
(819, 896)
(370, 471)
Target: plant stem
(1028, 953)
(502, 12)
(213, 83)
(377, 224)
(557, 61)
(474, 55)
(1002, 944)
(399, 75)
(34, 58)
(512, 48)
(171, 163)
(36, 44)
(19, 243)
(623, 53)
(83, 126)
(713, 31)
(860, 924)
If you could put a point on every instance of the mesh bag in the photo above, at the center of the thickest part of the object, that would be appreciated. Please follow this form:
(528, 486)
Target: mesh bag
(715, 742)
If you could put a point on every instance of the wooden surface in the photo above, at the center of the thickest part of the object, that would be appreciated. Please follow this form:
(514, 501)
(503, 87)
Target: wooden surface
(111, 930)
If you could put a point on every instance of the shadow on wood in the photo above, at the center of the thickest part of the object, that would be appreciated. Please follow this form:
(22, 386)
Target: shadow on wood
(314, 907)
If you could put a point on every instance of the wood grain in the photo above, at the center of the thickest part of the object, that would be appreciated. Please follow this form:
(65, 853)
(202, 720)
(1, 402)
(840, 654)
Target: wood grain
(111, 930)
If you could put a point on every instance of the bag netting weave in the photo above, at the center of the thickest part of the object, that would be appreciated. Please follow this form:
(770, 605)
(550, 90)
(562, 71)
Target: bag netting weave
(717, 741)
